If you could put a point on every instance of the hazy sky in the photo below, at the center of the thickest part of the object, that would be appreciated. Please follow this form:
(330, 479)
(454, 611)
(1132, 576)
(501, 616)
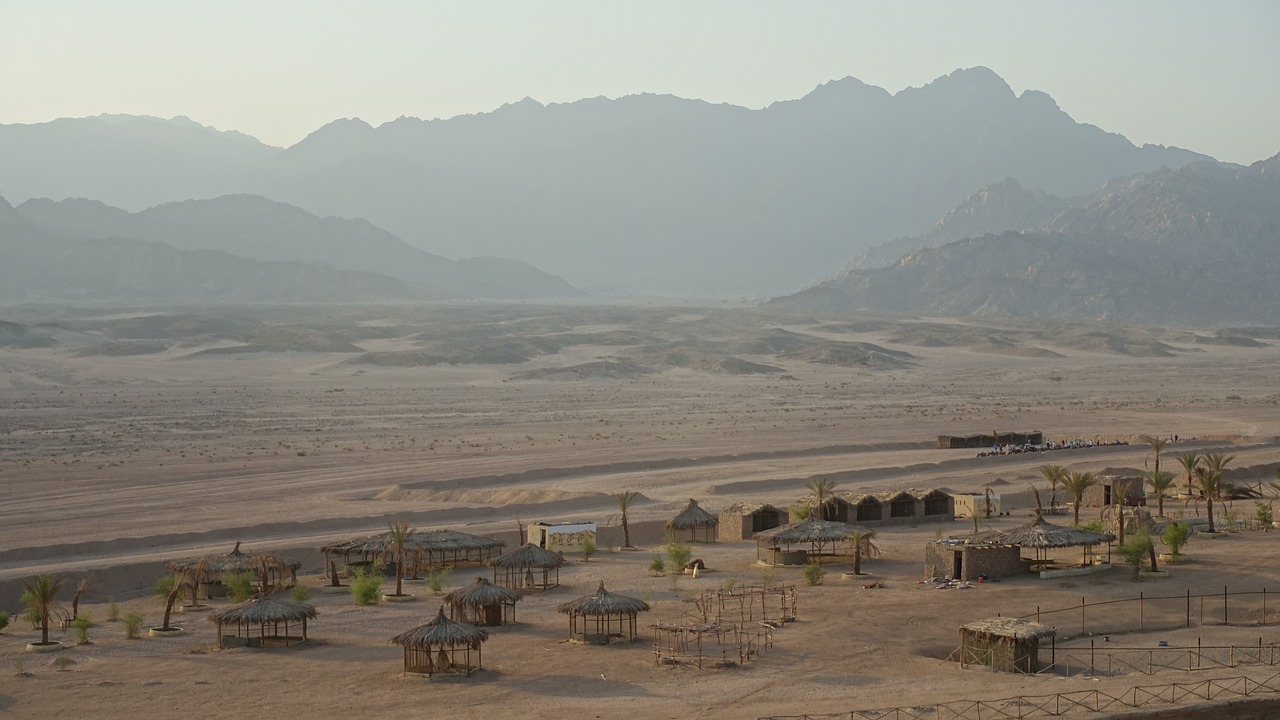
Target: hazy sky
(1201, 75)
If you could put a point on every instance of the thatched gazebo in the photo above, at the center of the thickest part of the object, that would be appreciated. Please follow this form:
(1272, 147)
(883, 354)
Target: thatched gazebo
(429, 548)
(521, 568)
(605, 617)
(824, 538)
(263, 614)
(281, 572)
(692, 519)
(483, 603)
(441, 647)
(1043, 535)
(1006, 644)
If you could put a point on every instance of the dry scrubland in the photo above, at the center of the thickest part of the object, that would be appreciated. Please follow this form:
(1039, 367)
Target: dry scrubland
(286, 429)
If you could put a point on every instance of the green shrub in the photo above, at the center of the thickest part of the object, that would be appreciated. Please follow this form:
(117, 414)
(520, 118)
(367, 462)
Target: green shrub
(113, 610)
(301, 593)
(679, 553)
(239, 586)
(1262, 513)
(4, 619)
(82, 625)
(768, 577)
(1175, 536)
(132, 624)
(366, 587)
(800, 512)
(438, 580)
(588, 549)
(813, 573)
(1135, 549)
(729, 585)
(656, 564)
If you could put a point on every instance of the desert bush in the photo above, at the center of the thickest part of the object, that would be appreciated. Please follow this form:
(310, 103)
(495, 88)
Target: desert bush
(132, 624)
(1262, 513)
(366, 587)
(588, 549)
(438, 580)
(239, 586)
(656, 564)
(800, 512)
(301, 593)
(4, 619)
(82, 625)
(679, 554)
(113, 610)
(814, 572)
(1175, 536)
(1134, 550)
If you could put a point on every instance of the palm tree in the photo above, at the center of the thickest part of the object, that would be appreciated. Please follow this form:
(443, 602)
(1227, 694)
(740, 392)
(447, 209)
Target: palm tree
(399, 538)
(41, 598)
(1160, 482)
(862, 545)
(199, 574)
(171, 597)
(82, 587)
(1189, 461)
(625, 499)
(822, 489)
(1078, 483)
(1209, 481)
(1054, 474)
(1157, 444)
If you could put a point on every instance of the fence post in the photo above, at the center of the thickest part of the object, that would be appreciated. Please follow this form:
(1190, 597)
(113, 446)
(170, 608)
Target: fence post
(1264, 606)
(1082, 616)
(1188, 607)
(1224, 605)
(1142, 612)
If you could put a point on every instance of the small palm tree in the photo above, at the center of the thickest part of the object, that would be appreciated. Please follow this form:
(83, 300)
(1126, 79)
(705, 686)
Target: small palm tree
(1157, 444)
(199, 574)
(1054, 474)
(1078, 483)
(1209, 482)
(41, 598)
(863, 547)
(399, 537)
(82, 587)
(822, 490)
(1160, 482)
(1189, 461)
(625, 499)
(180, 583)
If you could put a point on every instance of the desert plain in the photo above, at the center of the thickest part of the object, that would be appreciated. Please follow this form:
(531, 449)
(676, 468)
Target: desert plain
(137, 436)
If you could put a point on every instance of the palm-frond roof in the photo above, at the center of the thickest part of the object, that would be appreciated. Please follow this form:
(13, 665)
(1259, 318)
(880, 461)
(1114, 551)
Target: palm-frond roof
(604, 602)
(441, 631)
(692, 517)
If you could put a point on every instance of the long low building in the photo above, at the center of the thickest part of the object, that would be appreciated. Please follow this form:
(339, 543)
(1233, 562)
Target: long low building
(983, 440)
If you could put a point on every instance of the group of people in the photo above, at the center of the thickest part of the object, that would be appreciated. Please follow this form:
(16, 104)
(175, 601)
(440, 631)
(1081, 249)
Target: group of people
(1050, 445)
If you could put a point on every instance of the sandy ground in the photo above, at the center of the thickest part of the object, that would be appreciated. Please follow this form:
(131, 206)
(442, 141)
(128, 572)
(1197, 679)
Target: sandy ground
(111, 465)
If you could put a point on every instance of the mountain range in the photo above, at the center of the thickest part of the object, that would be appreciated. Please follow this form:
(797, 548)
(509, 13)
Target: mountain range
(640, 194)
(1199, 244)
(233, 248)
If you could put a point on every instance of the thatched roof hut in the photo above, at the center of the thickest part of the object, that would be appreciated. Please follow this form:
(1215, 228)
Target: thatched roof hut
(693, 519)
(483, 603)
(521, 568)
(823, 537)
(262, 613)
(441, 646)
(1006, 644)
(281, 572)
(605, 617)
(1043, 535)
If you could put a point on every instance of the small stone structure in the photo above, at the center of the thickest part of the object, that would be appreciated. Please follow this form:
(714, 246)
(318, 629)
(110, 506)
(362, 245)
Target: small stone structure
(1112, 488)
(969, 560)
(561, 536)
(894, 507)
(1006, 644)
(968, 505)
(742, 522)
